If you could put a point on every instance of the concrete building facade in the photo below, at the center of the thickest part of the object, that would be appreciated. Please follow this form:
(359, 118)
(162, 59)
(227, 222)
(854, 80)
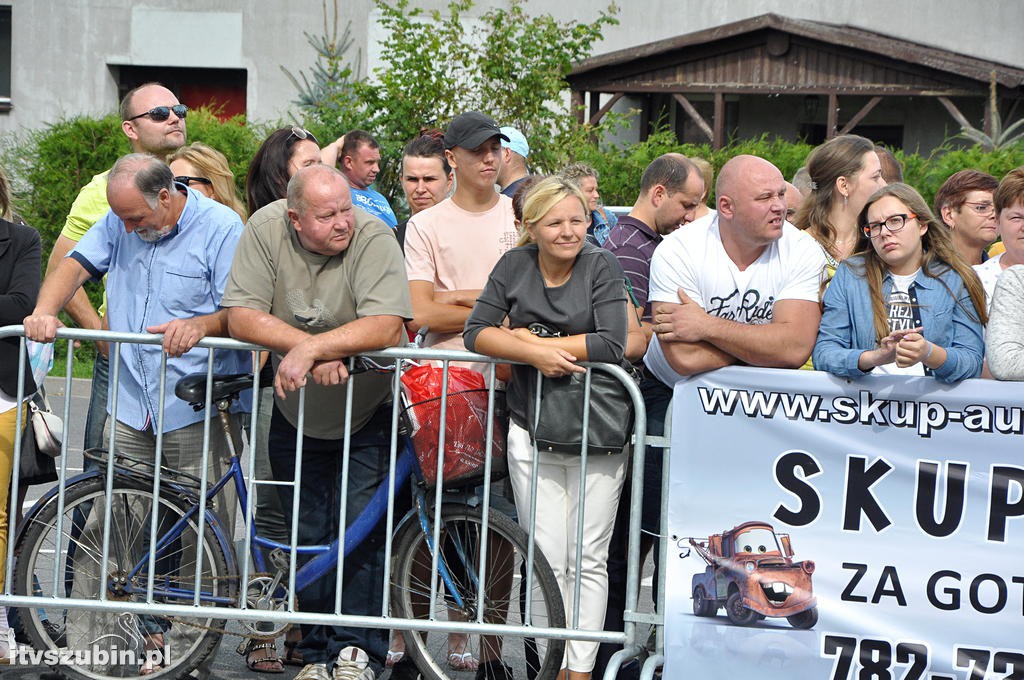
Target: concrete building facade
(60, 58)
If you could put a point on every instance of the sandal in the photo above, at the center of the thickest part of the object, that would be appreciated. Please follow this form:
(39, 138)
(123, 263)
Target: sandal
(8, 647)
(292, 656)
(268, 661)
(464, 661)
(393, 658)
(156, 659)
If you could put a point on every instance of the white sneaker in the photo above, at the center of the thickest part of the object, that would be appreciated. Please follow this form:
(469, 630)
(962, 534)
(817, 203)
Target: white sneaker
(353, 664)
(7, 646)
(313, 671)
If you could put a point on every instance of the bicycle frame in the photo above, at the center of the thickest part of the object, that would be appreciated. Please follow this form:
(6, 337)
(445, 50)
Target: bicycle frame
(326, 556)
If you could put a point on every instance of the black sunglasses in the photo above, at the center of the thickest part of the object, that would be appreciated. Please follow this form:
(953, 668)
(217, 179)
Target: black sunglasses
(162, 113)
(187, 181)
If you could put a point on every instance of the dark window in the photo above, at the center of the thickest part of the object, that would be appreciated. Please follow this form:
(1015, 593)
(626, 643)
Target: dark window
(220, 89)
(5, 58)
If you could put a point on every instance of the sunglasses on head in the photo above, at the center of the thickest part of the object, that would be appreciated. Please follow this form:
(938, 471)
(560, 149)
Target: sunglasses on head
(187, 181)
(301, 133)
(162, 113)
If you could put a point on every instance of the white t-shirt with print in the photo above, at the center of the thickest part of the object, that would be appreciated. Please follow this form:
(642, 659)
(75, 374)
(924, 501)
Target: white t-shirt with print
(694, 259)
(900, 310)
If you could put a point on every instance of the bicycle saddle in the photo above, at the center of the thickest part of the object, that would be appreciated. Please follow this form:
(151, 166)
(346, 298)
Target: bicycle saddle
(192, 388)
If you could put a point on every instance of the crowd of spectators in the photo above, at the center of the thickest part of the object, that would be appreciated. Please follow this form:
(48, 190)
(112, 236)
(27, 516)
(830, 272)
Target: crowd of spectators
(845, 270)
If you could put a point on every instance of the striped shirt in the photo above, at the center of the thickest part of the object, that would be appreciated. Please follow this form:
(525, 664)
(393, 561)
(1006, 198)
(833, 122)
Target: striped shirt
(633, 244)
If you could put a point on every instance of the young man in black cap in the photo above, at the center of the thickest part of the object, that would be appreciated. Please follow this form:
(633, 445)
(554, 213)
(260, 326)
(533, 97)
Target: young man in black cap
(450, 250)
(451, 247)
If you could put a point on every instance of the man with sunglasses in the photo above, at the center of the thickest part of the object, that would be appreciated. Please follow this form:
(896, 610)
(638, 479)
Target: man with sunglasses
(739, 286)
(153, 120)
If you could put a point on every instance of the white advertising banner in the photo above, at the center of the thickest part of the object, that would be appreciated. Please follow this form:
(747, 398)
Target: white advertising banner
(826, 529)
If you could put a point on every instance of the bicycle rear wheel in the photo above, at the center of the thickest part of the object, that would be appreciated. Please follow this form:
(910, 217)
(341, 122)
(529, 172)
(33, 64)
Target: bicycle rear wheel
(99, 644)
(503, 597)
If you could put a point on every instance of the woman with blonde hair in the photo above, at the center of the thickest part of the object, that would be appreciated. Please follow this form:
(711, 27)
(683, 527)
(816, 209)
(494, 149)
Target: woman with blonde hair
(844, 172)
(575, 289)
(908, 304)
(206, 170)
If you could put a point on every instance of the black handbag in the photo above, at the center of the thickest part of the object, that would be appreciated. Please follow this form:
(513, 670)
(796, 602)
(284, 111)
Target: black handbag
(558, 427)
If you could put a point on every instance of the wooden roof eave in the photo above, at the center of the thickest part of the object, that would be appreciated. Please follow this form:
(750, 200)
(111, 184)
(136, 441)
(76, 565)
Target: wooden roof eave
(770, 88)
(638, 59)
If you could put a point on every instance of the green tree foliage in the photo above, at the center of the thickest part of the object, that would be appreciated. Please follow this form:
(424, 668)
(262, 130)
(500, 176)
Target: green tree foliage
(326, 94)
(506, 62)
(620, 167)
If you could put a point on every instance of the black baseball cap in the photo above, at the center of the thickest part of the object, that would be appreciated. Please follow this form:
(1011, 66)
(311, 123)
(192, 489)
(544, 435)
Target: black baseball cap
(471, 129)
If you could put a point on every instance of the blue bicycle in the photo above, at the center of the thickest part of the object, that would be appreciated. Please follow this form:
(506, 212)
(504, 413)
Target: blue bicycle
(59, 554)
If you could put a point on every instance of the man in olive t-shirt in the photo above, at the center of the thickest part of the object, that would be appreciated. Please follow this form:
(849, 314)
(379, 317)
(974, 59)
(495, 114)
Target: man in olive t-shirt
(316, 281)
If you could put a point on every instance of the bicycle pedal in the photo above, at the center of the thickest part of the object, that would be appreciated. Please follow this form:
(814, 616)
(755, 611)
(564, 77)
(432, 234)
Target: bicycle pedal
(280, 560)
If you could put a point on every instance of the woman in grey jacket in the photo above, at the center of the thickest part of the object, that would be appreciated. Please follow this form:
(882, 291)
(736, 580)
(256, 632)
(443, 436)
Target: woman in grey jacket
(1005, 339)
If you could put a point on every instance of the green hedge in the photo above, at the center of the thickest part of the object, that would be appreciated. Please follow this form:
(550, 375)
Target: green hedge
(621, 167)
(51, 165)
(54, 163)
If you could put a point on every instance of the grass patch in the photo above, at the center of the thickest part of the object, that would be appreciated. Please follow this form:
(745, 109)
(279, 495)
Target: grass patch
(83, 361)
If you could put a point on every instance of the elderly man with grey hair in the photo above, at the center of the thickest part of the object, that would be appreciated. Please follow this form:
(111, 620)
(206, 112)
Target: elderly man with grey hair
(166, 251)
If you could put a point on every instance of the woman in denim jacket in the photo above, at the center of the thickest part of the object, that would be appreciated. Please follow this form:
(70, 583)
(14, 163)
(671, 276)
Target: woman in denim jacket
(907, 304)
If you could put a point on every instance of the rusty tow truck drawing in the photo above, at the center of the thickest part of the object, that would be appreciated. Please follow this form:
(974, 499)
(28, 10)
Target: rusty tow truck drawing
(750, 571)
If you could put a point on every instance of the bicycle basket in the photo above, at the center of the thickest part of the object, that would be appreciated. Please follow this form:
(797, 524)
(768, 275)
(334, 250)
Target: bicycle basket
(466, 424)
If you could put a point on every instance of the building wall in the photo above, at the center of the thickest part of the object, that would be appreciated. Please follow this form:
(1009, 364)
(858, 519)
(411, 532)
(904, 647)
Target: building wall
(66, 52)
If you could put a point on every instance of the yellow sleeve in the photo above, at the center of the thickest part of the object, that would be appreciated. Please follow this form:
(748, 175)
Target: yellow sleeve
(89, 206)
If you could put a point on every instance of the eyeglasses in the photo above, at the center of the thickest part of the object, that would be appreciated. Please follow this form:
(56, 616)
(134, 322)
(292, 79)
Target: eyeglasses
(894, 223)
(161, 113)
(983, 208)
(301, 133)
(187, 181)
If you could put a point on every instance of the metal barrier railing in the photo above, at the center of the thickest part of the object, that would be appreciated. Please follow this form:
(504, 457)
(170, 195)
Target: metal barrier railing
(228, 595)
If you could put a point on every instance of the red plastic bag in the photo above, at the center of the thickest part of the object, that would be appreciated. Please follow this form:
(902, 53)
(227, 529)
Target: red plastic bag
(466, 417)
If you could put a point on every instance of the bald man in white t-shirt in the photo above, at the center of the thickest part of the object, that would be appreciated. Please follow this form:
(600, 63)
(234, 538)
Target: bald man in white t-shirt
(737, 287)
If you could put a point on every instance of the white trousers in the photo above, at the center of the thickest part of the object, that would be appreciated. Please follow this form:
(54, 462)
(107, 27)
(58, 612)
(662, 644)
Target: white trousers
(558, 507)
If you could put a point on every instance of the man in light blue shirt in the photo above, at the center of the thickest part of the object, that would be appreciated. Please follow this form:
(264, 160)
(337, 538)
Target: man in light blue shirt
(166, 251)
(360, 163)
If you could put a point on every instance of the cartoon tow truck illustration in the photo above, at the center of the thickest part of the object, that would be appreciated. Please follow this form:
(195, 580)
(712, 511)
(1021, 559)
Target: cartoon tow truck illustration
(752, 574)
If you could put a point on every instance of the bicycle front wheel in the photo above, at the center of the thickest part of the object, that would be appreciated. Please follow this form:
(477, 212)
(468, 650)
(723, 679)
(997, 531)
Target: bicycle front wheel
(512, 594)
(95, 644)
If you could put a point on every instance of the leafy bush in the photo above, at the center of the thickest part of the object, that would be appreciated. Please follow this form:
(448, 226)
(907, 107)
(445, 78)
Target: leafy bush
(65, 157)
(235, 138)
(621, 167)
(437, 64)
(928, 174)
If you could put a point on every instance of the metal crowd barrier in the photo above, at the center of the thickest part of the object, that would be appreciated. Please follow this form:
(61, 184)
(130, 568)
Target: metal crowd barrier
(632, 638)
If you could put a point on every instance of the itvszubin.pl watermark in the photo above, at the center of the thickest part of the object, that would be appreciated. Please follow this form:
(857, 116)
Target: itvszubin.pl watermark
(92, 656)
